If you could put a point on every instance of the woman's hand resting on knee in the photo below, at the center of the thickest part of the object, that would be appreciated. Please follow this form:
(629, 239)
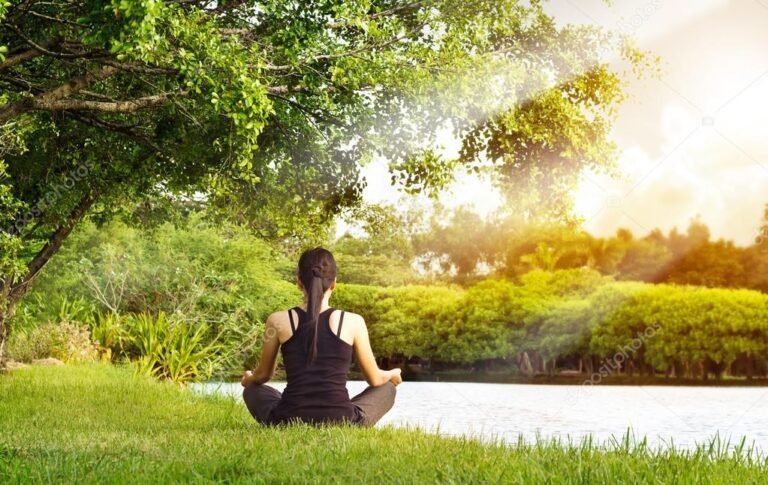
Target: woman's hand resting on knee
(396, 377)
(247, 378)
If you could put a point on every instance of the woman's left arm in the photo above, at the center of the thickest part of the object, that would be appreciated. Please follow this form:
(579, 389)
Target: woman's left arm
(269, 350)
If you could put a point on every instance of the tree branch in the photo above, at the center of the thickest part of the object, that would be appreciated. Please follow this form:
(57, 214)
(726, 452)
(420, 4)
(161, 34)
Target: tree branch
(117, 128)
(13, 109)
(394, 10)
(125, 106)
(139, 68)
(22, 56)
(52, 246)
(20, 83)
(48, 52)
(372, 46)
(19, 9)
(383, 13)
(225, 7)
(328, 119)
(56, 19)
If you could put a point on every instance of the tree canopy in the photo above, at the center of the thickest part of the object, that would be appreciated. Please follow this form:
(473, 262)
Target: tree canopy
(268, 109)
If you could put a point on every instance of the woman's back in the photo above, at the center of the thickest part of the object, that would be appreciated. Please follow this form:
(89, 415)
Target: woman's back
(317, 393)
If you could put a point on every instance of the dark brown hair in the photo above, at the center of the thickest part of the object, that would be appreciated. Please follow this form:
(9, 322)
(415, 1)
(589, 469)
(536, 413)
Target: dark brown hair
(317, 272)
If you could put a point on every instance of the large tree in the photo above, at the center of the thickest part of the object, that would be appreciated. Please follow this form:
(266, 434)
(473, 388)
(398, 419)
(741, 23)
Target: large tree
(278, 104)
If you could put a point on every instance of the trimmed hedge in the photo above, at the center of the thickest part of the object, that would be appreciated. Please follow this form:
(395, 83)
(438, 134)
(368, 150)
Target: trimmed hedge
(574, 318)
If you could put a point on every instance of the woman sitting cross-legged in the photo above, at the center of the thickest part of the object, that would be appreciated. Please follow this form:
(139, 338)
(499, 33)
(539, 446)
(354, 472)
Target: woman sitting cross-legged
(317, 342)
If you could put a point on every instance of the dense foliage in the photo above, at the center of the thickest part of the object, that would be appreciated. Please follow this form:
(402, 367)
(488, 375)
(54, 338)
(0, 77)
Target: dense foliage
(193, 292)
(266, 111)
(66, 341)
(572, 319)
(204, 272)
(204, 292)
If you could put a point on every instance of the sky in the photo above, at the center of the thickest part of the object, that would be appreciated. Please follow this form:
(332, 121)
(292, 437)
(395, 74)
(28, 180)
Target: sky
(694, 141)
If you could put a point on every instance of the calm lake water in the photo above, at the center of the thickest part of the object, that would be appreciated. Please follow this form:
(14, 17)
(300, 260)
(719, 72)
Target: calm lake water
(682, 416)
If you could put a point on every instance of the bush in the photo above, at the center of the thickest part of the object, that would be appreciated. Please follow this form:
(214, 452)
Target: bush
(203, 272)
(171, 349)
(218, 277)
(40, 307)
(572, 315)
(65, 341)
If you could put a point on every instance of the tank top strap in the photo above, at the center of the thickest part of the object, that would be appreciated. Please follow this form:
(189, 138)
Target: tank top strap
(341, 321)
(290, 317)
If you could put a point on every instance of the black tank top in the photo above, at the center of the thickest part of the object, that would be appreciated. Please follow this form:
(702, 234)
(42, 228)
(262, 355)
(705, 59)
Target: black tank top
(315, 394)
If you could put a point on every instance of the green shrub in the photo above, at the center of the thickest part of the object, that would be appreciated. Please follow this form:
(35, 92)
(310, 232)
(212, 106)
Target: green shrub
(108, 335)
(171, 349)
(203, 272)
(220, 277)
(39, 307)
(571, 314)
(65, 341)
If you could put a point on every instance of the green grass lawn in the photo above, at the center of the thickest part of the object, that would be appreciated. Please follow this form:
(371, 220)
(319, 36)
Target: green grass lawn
(98, 423)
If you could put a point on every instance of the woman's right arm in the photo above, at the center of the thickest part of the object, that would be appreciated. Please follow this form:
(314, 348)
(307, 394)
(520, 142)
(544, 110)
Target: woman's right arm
(367, 362)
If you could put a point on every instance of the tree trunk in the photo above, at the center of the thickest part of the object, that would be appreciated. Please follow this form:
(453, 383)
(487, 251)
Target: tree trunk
(525, 365)
(11, 294)
(719, 370)
(6, 311)
(7, 307)
(587, 362)
(677, 372)
(4, 334)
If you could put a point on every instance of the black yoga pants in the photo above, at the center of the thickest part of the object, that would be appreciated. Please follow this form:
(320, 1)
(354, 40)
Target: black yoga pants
(373, 402)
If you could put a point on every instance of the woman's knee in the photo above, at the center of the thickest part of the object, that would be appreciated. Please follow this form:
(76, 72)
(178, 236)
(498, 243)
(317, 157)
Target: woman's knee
(250, 396)
(250, 392)
(260, 391)
(390, 392)
(260, 399)
(392, 389)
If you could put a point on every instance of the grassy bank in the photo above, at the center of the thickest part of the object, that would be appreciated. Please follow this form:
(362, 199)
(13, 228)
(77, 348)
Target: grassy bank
(97, 423)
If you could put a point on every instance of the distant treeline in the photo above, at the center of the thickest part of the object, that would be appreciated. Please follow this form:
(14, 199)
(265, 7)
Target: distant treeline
(569, 319)
(459, 246)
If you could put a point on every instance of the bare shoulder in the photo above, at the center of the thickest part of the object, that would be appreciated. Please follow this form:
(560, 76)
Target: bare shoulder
(276, 318)
(353, 318)
(279, 321)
